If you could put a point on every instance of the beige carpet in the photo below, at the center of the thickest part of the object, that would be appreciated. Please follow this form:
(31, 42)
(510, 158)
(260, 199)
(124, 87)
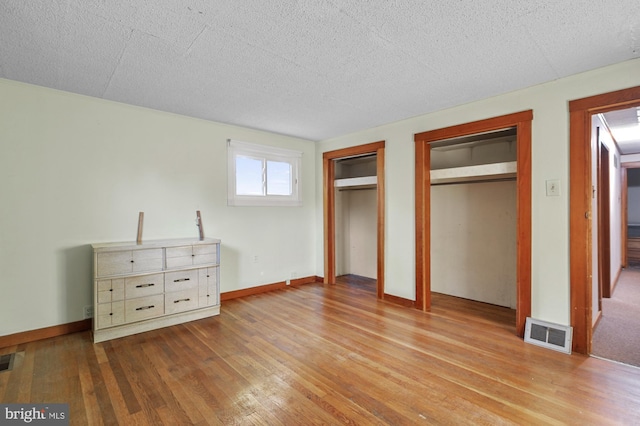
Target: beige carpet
(617, 336)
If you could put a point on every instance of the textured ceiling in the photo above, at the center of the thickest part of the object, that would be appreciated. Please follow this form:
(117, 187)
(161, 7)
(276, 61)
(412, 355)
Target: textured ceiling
(312, 69)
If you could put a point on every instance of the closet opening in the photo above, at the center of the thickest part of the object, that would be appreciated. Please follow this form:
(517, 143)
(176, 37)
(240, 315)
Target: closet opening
(355, 211)
(353, 188)
(473, 213)
(473, 217)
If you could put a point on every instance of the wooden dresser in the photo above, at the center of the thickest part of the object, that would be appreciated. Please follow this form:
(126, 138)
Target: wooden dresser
(142, 287)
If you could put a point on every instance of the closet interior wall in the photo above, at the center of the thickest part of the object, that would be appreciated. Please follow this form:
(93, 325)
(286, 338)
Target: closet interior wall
(474, 222)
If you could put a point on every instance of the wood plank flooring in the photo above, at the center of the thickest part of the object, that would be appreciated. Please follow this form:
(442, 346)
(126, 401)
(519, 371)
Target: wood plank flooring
(325, 354)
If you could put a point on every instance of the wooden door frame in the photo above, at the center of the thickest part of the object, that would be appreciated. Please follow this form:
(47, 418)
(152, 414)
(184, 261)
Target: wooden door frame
(328, 173)
(522, 122)
(580, 157)
(624, 189)
(604, 221)
(624, 219)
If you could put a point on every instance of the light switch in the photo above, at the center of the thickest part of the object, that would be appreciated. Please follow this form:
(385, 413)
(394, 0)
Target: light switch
(553, 187)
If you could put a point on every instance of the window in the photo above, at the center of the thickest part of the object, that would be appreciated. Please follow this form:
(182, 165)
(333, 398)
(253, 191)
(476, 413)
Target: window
(260, 175)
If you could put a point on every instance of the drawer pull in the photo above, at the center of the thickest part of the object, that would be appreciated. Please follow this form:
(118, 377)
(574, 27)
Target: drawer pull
(181, 300)
(145, 285)
(181, 279)
(142, 308)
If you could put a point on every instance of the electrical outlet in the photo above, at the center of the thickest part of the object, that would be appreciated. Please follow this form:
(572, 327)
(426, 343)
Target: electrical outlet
(288, 282)
(87, 312)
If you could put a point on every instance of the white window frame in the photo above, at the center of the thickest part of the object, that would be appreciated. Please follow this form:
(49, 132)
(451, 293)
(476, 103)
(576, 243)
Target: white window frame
(265, 153)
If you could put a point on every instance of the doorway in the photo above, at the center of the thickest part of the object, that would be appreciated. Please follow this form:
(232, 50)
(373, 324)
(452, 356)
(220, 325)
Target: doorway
(329, 162)
(631, 216)
(521, 121)
(581, 247)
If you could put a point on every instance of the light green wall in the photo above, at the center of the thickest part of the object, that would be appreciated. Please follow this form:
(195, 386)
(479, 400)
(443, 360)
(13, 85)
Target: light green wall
(550, 160)
(76, 170)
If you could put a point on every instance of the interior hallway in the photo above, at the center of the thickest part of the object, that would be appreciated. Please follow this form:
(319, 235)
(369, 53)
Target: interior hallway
(616, 336)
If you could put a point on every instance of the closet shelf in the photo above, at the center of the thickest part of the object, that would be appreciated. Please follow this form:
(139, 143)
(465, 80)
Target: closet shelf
(473, 173)
(356, 182)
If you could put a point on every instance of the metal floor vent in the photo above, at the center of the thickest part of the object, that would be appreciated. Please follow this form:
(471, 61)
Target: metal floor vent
(548, 335)
(6, 362)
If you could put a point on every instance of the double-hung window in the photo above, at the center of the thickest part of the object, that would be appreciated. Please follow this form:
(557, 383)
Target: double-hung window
(260, 175)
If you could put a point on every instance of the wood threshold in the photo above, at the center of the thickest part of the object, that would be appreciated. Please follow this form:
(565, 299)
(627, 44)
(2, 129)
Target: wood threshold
(520, 120)
(399, 300)
(580, 241)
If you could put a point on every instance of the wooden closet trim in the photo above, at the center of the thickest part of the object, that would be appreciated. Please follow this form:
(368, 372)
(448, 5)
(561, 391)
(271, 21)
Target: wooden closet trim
(328, 174)
(520, 120)
(580, 113)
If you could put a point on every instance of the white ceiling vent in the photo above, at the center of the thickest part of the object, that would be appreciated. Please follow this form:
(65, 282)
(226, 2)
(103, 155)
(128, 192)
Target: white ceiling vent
(548, 335)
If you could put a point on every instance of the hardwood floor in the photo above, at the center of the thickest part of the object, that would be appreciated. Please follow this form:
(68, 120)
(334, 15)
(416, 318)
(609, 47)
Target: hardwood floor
(322, 354)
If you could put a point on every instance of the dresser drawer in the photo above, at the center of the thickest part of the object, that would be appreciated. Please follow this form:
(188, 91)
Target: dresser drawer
(114, 263)
(180, 280)
(205, 253)
(145, 285)
(143, 307)
(110, 314)
(147, 260)
(110, 290)
(126, 262)
(208, 286)
(179, 256)
(179, 301)
(198, 254)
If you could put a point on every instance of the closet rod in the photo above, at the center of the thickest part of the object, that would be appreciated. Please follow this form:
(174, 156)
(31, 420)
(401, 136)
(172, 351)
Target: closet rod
(475, 181)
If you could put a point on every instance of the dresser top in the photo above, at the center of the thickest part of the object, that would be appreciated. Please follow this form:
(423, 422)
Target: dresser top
(132, 245)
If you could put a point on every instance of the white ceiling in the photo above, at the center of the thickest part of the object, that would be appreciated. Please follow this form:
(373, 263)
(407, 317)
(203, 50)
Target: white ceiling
(312, 69)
